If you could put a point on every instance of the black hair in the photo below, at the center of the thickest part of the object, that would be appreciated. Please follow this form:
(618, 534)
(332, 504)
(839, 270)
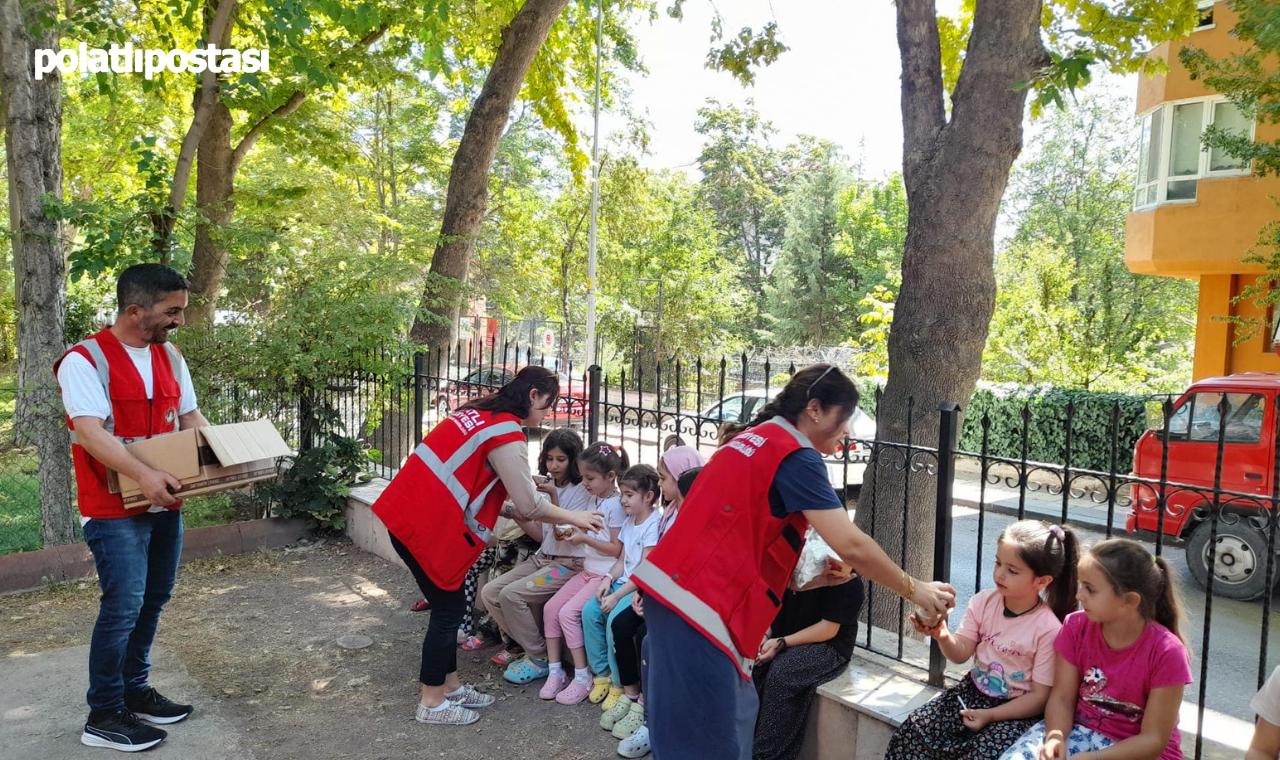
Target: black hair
(685, 481)
(569, 442)
(824, 383)
(642, 478)
(513, 398)
(147, 285)
(1051, 550)
(1129, 567)
(604, 458)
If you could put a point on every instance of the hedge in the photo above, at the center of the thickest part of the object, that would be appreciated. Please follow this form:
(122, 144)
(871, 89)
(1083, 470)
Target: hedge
(1091, 444)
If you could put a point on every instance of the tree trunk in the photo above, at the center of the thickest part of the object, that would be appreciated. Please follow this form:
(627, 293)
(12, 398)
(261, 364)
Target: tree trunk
(955, 173)
(469, 176)
(33, 144)
(214, 187)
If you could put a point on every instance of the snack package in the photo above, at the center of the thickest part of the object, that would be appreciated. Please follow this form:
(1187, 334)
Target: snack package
(815, 559)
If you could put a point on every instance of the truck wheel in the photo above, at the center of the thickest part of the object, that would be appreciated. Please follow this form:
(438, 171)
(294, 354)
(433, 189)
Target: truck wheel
(1239, 562)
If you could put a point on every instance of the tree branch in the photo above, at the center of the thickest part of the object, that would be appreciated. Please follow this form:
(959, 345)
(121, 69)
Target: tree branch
(923, 107)
(293, 103)
(219, 33)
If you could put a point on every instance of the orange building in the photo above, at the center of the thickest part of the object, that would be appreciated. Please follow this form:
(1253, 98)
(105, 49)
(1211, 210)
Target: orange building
(1198, 213)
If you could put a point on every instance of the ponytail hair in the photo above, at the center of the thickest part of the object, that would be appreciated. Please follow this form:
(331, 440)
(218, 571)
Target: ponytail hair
(824, 383)
(642, 478)
(513, 398)
(604, 458)
(1051, 550)
(1130, 568)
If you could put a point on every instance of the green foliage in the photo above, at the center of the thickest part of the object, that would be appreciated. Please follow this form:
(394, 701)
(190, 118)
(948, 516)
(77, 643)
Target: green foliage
(317, 482)
(1068, 310)
(1003, 411)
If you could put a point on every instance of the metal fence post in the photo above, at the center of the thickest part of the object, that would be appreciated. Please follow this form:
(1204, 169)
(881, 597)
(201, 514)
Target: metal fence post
(948, 429)
(593, 402)
(419, 376)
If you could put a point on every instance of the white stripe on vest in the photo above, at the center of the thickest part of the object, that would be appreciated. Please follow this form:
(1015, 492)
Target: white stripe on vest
(697, 611)
(445, 472)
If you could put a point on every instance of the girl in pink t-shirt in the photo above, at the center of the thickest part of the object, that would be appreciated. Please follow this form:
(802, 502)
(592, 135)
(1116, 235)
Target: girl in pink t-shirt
(1009, 632)
(1122, 665)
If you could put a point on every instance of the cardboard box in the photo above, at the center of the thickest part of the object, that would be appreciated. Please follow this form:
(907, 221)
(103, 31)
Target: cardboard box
(207, 460)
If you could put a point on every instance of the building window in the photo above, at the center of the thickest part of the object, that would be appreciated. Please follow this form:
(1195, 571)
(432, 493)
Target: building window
(1172, 158)
(1206, 14)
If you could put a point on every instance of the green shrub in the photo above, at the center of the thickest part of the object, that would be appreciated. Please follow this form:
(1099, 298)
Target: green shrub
(1043, 410)
(318, 481)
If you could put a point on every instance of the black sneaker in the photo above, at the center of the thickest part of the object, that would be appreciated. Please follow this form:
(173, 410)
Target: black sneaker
(120, 730)
(153, 707)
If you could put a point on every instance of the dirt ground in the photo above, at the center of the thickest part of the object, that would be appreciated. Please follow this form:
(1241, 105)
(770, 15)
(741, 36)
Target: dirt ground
(259, 633)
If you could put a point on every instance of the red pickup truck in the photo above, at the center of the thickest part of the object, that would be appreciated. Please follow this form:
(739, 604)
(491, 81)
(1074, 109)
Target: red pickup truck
(1247, 430)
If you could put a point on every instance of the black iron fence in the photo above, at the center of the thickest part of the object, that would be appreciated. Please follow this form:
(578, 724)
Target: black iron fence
(1201, 490)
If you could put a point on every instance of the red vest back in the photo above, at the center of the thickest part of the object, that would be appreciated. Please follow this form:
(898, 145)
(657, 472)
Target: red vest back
(445, 500)
(724, 565)
(133, 415)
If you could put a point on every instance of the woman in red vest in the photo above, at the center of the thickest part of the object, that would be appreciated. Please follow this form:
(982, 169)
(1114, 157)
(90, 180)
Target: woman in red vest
(440, 510)
(714, 584)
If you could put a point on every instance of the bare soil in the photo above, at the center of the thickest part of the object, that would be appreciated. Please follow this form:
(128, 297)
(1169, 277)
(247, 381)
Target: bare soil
(259, 633)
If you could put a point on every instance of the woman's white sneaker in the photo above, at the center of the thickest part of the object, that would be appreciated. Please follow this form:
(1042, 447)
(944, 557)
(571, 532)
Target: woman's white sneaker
(468, 697)
(448, 714)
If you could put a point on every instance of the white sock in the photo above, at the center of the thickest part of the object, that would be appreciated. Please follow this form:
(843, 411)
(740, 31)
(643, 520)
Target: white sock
(582, 676)
(440, 707)
(456, 692)
(556, 668)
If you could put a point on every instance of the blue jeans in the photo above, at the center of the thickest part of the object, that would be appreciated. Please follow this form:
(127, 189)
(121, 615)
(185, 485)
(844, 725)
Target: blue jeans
(137, 562)
(597, 634)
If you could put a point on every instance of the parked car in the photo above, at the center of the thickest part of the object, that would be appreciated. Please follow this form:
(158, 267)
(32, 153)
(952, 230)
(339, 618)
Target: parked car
(743, 407)
(1239, 556)
(451, 394)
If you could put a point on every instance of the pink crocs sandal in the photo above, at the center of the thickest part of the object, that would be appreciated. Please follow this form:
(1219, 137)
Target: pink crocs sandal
(574, 693)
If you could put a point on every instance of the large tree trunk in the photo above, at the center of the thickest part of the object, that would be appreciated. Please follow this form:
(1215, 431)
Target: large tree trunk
(955, 173)
(469, 177)
(33, 143)
(215, 184)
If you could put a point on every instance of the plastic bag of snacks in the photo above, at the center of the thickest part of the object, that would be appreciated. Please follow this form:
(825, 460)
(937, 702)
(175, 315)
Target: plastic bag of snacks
(817, 558)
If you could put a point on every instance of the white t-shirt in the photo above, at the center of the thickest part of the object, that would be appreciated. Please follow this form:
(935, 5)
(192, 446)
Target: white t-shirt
(84, 396)
(575, 499)
(637, 538)
(1266, 703)
(615, 517)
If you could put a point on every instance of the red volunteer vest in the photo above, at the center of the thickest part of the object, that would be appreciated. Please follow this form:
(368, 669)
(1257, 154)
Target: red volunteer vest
(133, 415)
(444, 502)
(724, 565)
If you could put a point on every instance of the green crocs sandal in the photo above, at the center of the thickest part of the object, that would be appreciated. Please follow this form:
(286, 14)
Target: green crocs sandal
(617, 713)
(630, 723)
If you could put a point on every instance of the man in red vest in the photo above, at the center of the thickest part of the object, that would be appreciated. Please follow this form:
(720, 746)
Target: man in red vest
(123, 384)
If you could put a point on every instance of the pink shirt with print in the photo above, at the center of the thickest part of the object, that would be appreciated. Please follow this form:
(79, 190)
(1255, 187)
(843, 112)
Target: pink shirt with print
(1012, 652)
(1115, 683)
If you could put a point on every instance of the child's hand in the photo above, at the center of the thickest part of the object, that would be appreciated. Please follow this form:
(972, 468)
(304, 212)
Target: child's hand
(577, 538)
(1053, 749)
(924, 628)
(608, 603)
(603, 590)
(637, 604)
(975, 720)
(768, 650)
(546, 486)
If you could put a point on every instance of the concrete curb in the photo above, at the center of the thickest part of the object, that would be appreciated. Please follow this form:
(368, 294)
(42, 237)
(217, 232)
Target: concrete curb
(25, 571)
